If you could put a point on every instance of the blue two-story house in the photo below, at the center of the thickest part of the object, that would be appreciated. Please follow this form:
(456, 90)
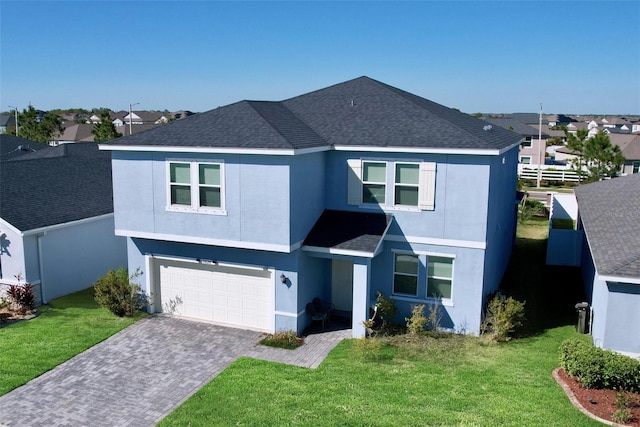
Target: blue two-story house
(243, 214)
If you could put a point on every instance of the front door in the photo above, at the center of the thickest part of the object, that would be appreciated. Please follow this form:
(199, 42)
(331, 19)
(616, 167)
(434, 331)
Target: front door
(342, 284)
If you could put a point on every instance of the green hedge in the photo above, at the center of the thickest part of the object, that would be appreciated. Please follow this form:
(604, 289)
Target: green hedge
(596, 368)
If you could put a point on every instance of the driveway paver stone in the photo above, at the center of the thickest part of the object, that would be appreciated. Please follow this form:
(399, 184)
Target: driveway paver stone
(141, 374)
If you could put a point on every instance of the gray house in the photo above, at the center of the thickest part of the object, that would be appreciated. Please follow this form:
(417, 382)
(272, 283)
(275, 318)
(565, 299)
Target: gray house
(56, 219)
(609, 214)
(244, 214)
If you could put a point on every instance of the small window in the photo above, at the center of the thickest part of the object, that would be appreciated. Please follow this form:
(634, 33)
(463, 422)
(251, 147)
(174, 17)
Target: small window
(195, 186)
(405, 275)
(209, 182)
(526, 143)
(374, 178)
(180, 178)
(525, 160)
(440, 277)
(407, 184)
(636, 167)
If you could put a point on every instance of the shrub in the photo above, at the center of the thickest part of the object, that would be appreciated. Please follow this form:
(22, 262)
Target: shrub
(387, 309)
(21, 297)
(417, 322)
(118, 292)
(504, 317)
(622, 414)
(596, 368)
(283, 339)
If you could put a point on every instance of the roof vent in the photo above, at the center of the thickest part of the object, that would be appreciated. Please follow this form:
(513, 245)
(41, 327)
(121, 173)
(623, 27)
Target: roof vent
(487, 127)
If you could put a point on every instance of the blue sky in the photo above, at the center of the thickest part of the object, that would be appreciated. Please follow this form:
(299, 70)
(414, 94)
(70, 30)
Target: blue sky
(574, 57)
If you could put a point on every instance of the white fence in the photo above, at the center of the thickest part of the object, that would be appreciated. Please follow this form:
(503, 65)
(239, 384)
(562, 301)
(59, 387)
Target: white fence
(550, 175)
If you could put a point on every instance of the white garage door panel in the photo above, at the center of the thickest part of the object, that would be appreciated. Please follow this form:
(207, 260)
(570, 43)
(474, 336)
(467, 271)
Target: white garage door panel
(236, 296)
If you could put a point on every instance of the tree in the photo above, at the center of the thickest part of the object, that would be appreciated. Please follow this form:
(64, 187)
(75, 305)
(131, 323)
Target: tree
(601, 157)
(596, 154)
(575, 142)
(36, 129)
(105, 130)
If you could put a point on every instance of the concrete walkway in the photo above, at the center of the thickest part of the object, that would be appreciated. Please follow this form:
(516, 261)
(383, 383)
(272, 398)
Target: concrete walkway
(141, 374)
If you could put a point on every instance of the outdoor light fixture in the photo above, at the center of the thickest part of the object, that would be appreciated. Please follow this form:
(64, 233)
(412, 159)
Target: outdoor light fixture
(283, 278)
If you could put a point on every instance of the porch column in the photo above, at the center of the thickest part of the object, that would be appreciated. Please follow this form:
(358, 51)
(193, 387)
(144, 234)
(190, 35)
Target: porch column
(361, 275)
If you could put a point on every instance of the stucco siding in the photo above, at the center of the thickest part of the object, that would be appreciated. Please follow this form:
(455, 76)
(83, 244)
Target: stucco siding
(463, 312)
(501, 218)
(623, 318)
(74, 257)
(599, 311)
(12, 257)
(307, 193)
(256, 199)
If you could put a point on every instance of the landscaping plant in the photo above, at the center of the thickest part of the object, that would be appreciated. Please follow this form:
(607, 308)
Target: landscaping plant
(417, 323)
(503, 318)
(283, 339)
(119, 292)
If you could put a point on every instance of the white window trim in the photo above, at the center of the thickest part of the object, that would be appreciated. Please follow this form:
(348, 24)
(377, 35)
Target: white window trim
(444, 301)
(426, 185)
(525, 157)
(417, 275)
(194, 170)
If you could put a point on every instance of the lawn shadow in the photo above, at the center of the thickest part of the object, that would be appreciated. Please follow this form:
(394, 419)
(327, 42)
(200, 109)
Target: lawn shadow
(550, 292)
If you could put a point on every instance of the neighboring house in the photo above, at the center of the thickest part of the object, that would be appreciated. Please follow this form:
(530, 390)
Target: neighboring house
(244, 214)
(630, 148)
(56, 219)
(12, 147)
(146, 117)
(7, 122)
(79, 132)
(533, 147)
(609, 214)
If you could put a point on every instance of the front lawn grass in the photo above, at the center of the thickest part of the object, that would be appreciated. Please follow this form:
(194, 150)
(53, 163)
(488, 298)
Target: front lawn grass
(65, 327)
(424, 381)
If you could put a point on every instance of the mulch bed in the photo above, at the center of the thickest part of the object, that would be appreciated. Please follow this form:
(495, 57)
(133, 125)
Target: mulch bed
(601, 403)
(8, 317)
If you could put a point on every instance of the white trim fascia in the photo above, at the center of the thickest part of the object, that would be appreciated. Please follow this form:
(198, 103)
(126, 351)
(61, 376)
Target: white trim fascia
(16, 282)
(424, 150)
(378, 249)
(205, 241)
(65, 224)
(332, 251)
(296, 246)
(469, 244)
(620, 279)
(215, 150)
(288, 314)
(4, 223)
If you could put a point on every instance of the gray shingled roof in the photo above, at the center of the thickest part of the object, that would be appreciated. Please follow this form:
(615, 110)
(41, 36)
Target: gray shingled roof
(610, 212)
(515, 125)
(55, 186)
(361, 112)
(345, 230)
(13, 146)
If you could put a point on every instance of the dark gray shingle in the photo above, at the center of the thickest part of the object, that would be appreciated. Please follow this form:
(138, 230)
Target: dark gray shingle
(55, 186)
(610, 212)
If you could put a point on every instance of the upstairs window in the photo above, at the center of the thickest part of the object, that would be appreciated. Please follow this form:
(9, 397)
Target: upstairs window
(195, 186)
(407, 184)
(410, 186)
(374, 179)
(636, 167)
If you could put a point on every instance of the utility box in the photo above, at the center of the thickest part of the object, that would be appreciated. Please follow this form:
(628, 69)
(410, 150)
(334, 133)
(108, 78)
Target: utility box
(583, 317)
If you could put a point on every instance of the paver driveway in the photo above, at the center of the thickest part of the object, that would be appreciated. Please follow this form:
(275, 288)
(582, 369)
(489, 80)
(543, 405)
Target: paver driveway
(141, 374)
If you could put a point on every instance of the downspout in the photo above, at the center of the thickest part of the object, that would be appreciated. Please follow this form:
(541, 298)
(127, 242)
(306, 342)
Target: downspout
(41, 268)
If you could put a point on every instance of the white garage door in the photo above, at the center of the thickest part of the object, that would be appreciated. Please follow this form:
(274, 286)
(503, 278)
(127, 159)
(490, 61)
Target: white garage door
(231, 295)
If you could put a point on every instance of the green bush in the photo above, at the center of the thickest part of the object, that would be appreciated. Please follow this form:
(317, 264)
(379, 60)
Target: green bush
(596, 368)
(387, 308)
(504, 317)
(118, 292)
